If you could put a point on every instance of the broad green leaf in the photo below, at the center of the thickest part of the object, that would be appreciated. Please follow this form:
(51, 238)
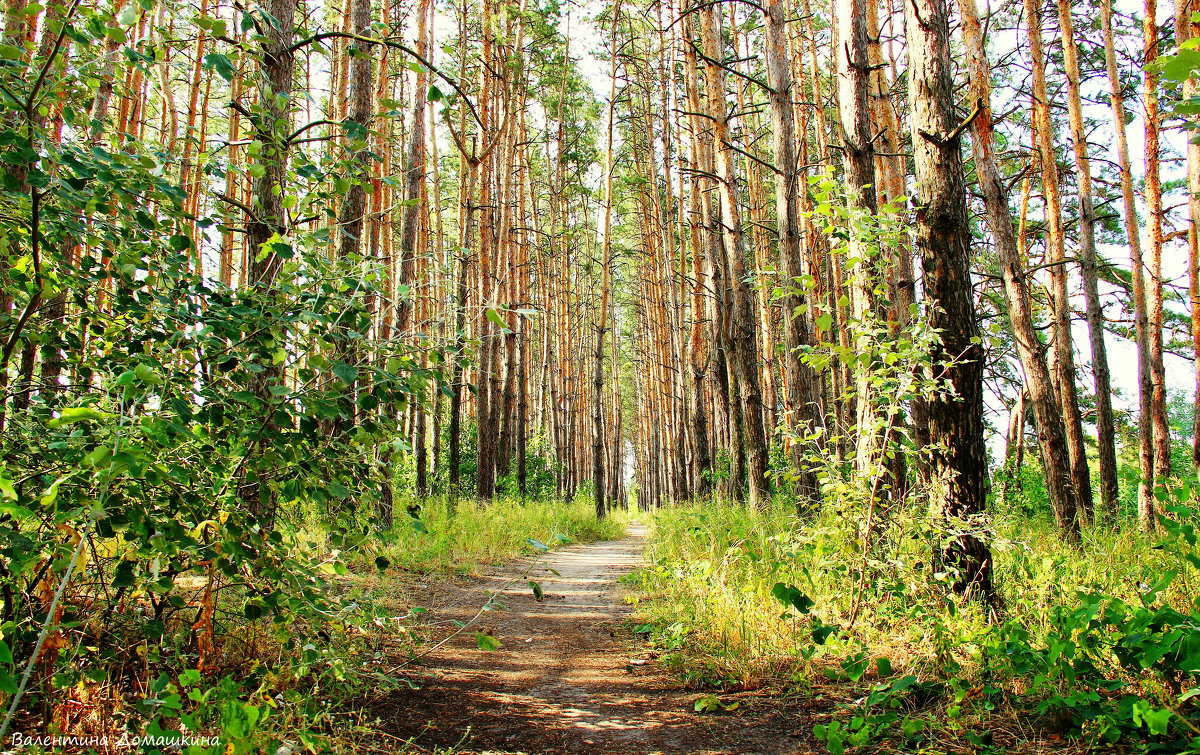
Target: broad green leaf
(129, 14)
(344, 372)
(821, 632)
(97, 458)
(538, 595)
(221, 64)
(124, 576)
(147, 375)
(15, 511)
(883, 666)
(495, 317)
(486, 641)
(51, 495)
(7, 491)
(1181, 65)
(76, 414)
(1156, 721)
(790, 596)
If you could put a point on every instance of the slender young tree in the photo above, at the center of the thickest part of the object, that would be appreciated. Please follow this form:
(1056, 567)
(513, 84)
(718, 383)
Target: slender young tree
(858, 152)
(1186, 28)
(266, 223)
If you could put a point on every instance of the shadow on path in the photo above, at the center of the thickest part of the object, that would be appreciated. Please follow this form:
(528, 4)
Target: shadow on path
(562, 682)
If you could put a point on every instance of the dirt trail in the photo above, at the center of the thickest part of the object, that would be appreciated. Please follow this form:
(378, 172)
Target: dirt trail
(563, 681)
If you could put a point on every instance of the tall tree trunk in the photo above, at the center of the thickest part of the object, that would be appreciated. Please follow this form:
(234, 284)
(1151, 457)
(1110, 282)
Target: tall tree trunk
(1185, 29)
(1064, 348)
(1141, 323)
(1052, 442)
(1105, 426)
(803, 386)
(267, 191)
(1160, 424)
(599, 489)
(743, 338)
(414, 176)
(958, 460)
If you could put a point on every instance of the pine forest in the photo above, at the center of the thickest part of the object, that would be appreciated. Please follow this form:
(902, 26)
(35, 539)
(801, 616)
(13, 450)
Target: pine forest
(600, 376)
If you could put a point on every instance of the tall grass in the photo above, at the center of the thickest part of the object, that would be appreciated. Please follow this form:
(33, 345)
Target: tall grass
(462, 535)
(712, 569)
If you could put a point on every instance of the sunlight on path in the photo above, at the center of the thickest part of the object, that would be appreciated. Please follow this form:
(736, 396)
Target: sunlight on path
(562, 680)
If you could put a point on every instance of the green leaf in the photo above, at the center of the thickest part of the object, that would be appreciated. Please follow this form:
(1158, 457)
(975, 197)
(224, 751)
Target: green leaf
(1167, 578)
(344, 372)
(129, 14)
(124, 575)
(537, 544)
(5, 653)
(824, 322)
(9, 52)
(7, 491)
(1181, 65)
(221, 64)
(790, 596)
(147, 375)
(1157, 721)
(382, 563)
(821, 632)
(495, 317)
(707, 704)
(435, 94)
(15, 511)
(74, 414)
(486, 642)
(51, 495)
(883, 666)
(97, 458)
(538, 595)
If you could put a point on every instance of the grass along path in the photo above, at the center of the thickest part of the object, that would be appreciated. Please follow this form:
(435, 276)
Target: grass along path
(567, 676)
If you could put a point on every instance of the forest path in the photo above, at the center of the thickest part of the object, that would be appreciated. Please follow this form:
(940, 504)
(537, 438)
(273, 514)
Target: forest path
(566, 678)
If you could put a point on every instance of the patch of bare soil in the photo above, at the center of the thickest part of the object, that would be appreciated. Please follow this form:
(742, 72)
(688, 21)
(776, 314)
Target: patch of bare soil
(567, 678)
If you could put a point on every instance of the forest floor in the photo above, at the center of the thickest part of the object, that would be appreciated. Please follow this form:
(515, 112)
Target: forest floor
(569, 675)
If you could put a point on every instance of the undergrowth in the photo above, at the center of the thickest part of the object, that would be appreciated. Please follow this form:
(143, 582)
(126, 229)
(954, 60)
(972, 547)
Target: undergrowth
(282, 647)
(1092, 646)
